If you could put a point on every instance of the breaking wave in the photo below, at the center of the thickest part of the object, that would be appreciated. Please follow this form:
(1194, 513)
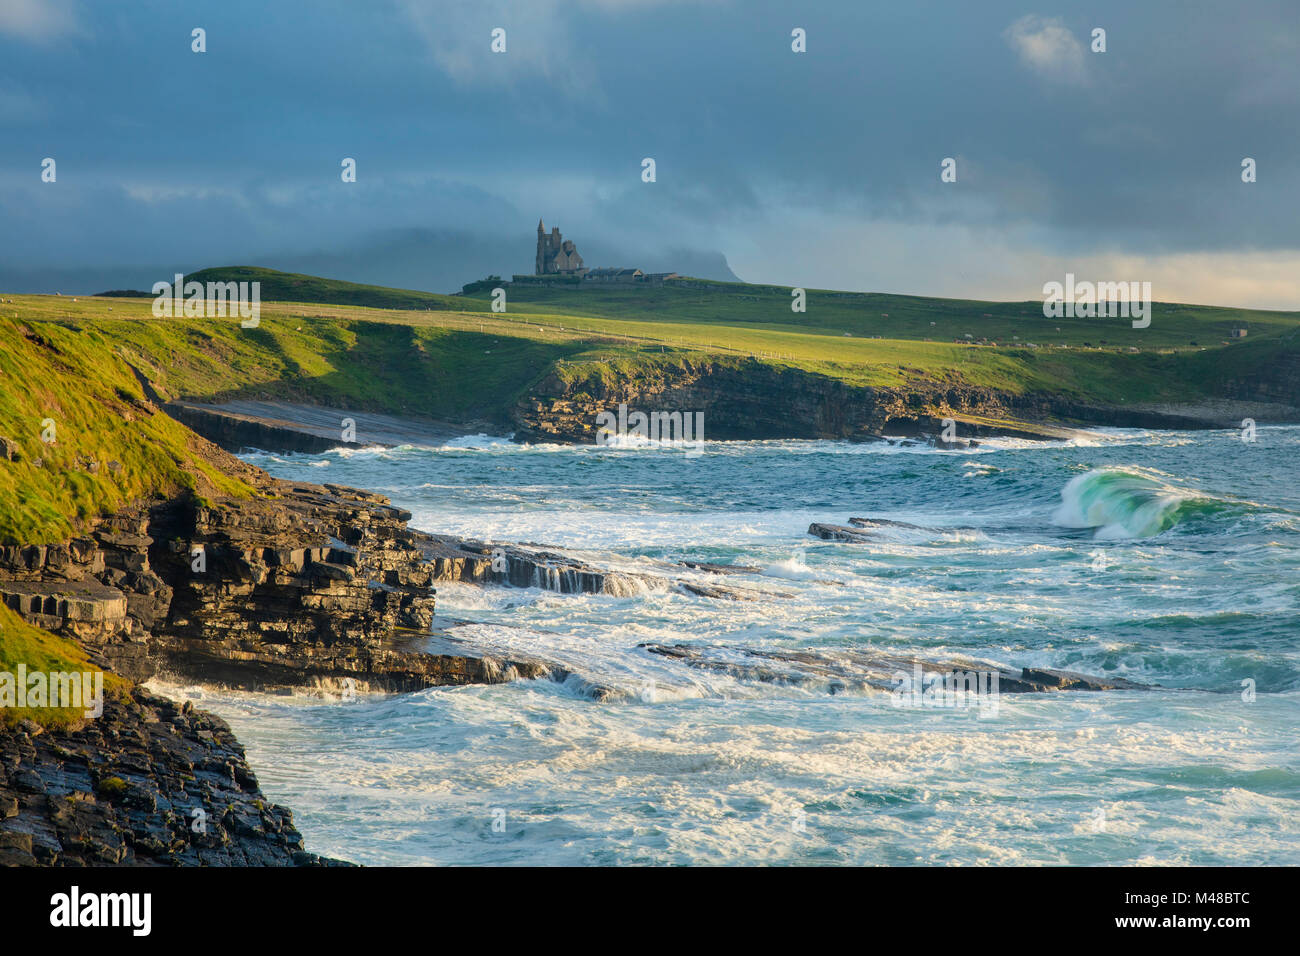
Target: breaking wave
(1128, 503)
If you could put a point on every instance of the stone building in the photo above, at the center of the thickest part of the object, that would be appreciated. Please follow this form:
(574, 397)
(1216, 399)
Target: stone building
(557, 255)
(614, 275)
(558, 263)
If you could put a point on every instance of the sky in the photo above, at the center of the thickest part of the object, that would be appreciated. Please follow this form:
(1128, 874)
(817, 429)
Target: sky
(819, 169)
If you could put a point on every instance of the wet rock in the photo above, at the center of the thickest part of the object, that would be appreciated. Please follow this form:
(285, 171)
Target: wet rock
(525, 566)
(838, 532)
(721, 568)
(89, 796)
(1041, 678)
(881, 523)
(840, 669)
(713, 591)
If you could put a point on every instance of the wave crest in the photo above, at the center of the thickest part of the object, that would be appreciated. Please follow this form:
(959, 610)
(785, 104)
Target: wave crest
(1123, 503)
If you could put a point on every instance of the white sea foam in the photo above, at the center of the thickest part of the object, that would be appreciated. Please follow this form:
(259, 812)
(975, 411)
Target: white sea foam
(687, 764)
(794, 569)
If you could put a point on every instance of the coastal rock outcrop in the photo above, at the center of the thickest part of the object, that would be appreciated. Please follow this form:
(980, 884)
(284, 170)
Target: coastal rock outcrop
(858, 530)
(524, 566)
(315, 586)
(838, 532)
(149, 782)
(748, 399)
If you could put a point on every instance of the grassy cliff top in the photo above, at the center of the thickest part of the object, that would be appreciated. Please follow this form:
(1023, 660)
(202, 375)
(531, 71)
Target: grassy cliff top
(75, 363)
(902, 317)
(295, 287)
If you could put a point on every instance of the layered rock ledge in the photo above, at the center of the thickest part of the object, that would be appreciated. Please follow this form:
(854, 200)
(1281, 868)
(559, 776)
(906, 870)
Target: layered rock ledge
(303, 586)
(536, 566)
(316, 586)
(752, 400)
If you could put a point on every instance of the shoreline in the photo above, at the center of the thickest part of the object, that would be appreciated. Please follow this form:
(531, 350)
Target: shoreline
(288, 427)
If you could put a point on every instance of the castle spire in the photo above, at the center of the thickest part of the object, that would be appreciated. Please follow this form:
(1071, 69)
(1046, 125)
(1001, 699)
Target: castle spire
(540, 228)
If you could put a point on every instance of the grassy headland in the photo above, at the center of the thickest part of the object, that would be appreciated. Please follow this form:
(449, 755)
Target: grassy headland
(75, 362)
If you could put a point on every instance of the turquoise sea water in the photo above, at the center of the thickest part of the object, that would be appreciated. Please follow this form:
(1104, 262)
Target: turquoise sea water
(1169, 558)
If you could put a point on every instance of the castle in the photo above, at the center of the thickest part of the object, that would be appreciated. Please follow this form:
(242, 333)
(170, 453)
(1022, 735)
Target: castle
(557, 255)
(559, 262)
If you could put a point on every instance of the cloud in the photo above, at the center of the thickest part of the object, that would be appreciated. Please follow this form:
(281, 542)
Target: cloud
(958, 260)
(1048, 48)
(762, 153)
(154, 193)
(17, 105)
(459, 38)
(539, 39)
(37, 20)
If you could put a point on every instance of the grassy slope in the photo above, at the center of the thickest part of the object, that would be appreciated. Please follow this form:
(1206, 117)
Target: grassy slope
(892, 339)
(295, 287)
(1173, 325)
(70, 375)
(451, 366)
(755, 307)
(73, 377)
(39, 650)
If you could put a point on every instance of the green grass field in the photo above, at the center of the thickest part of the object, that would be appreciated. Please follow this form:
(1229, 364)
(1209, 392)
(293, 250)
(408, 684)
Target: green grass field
(892, 316)
(862, 339)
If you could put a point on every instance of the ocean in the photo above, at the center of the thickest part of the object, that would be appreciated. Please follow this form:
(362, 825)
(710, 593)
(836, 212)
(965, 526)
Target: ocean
(1168, 558)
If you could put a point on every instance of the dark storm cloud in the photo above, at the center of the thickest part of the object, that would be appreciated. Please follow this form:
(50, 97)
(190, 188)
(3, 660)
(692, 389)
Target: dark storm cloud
(164, 153)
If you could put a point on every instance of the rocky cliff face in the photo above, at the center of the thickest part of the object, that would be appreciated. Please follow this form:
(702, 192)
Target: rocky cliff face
(234, 432)
(294, 589)
(149, 782)
(750, 400)
(1276, 381)
(313, 586)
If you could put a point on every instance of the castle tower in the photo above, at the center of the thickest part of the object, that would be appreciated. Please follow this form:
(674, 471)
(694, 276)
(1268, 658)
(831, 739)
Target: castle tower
(555, 255)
